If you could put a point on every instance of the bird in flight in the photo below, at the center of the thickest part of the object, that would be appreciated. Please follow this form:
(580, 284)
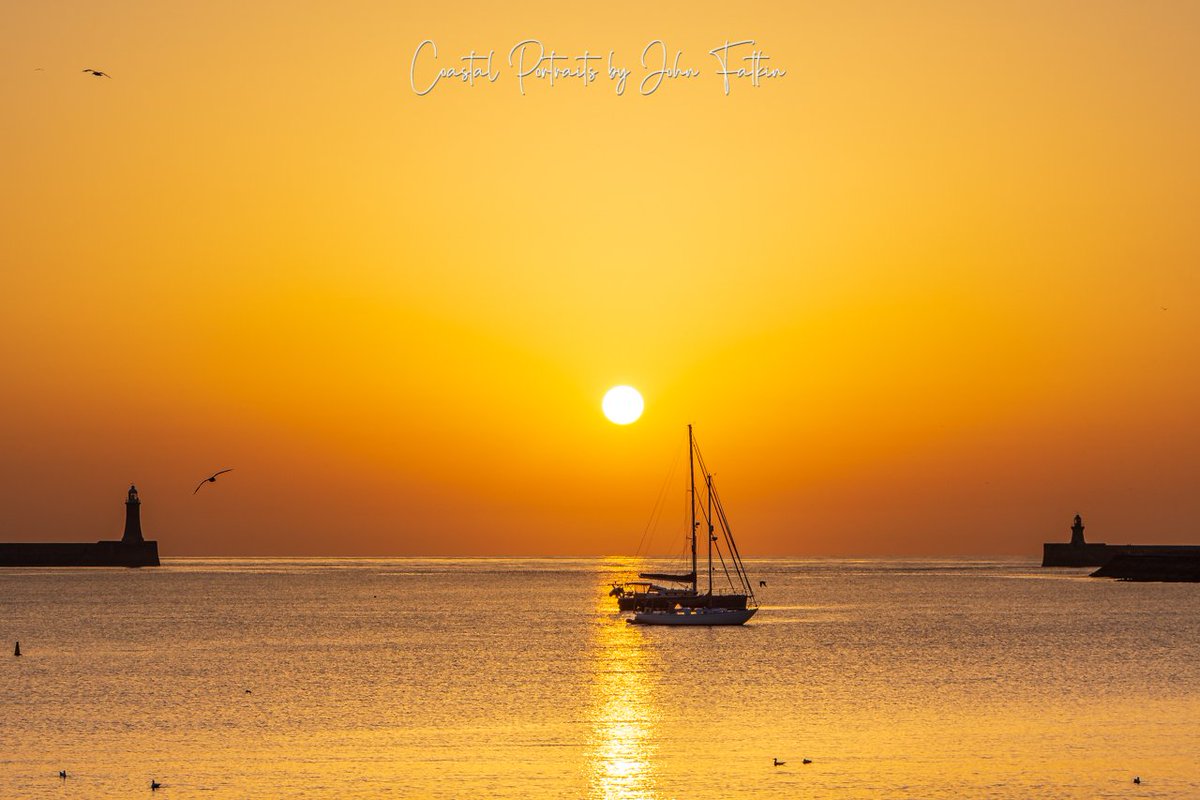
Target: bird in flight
(211, 479)
(98, 73)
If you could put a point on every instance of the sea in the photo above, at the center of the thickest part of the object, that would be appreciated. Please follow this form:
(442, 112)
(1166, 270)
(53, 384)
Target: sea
(518, 678)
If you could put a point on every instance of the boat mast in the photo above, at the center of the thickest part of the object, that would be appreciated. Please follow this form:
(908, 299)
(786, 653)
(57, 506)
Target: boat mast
(692, 484)
(708, 517)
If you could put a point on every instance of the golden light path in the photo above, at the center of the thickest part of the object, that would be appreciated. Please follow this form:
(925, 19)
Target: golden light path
(622, 748)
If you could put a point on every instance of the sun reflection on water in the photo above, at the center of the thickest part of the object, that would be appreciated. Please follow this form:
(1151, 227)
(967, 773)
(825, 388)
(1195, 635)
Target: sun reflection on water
(621, 758)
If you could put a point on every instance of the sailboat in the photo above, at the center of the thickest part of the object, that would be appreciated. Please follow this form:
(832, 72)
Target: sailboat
(654, 604)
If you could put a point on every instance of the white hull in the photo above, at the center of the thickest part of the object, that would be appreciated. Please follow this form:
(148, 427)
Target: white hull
(695, 616)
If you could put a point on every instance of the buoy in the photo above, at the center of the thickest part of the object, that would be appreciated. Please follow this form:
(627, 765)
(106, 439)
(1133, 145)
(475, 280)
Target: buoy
(17, 651)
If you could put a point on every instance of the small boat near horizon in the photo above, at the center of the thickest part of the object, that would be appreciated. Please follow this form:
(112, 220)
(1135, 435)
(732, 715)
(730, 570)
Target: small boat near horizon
(654, 604)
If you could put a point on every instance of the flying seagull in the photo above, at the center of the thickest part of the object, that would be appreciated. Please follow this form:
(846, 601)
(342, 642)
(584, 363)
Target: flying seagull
(98, 73)
(211, 479)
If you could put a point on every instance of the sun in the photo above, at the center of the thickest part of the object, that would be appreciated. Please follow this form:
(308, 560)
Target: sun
(622, 405)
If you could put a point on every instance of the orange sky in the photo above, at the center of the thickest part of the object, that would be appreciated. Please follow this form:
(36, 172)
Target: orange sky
(911, 294)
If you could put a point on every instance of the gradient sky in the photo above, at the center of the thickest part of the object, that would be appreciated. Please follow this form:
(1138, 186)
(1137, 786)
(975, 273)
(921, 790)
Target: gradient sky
(933, 292)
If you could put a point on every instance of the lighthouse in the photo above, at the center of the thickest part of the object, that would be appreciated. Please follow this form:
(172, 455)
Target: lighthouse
(1077, 532)
(132, 550)
(133, 518)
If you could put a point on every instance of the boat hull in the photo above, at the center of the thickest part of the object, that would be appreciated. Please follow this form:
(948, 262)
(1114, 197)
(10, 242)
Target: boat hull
(647, 601)
(700, 616)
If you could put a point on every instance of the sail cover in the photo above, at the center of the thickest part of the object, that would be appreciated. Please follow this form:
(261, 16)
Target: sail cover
(666, 576)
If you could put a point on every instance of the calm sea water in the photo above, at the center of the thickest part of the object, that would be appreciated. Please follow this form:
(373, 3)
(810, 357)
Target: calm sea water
(446, 678)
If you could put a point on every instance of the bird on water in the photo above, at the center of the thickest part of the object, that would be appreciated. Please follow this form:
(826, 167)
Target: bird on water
(211, 479)
(154, 785)
(1137, 779)
(98, 73)
(806, 761)
(778, 763)
(62, 773)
